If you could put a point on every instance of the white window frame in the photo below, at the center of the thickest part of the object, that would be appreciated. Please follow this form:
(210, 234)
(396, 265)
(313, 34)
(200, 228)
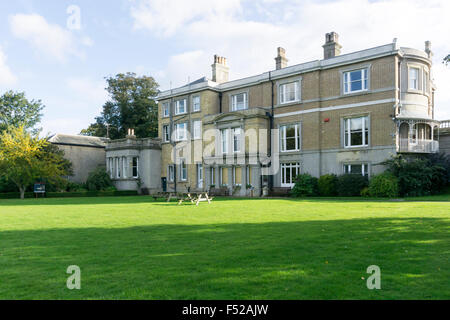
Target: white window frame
(347, 168)
(166, 107)
(200, 175)
(234, 103)
(183, 170)
(137, 167)
(171, 173)
(284, 93)
(364, 81)
(410, 87)
(237, 139)
(348, 133)
(283, 143)
(196, 105)
(213, 176)
(224, 140)
(177, 106)
(291, 166)
(166, 133)
(197, 129)
(181, 134)
(117, 168)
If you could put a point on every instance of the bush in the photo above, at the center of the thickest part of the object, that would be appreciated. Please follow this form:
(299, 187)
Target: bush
(98, 180)
(305, 186)
(420, 175)
(349, 185)
(365, 192)
(327, 185)
(384, 185)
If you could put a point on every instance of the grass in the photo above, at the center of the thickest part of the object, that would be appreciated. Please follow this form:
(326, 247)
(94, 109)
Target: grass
(134, 248)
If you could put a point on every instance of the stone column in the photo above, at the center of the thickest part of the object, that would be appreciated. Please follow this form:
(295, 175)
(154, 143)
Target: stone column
(243, 181)
(230, 179)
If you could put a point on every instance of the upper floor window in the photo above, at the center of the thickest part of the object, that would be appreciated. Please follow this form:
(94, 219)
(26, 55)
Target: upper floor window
(135, 167)
(290, 137)
(356, 132)
(196, 103)
(425, 82)
(239, 101)
(355, 81)
(414, 78)
(236, 139)
(290, 92)
(180, 106)
(166, 133)
(166, 111)
(197, 134)
(361, 169)
(224, 140)
(181, 131)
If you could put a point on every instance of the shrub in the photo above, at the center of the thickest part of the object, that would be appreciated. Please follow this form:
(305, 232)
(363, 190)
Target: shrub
(418, 176)
(98, 180)
(327, 185)
(365, 192)
(384, 185)
(349, 185)
(305, 186)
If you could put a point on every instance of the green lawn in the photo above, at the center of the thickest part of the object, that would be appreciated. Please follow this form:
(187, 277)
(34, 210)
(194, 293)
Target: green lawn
(134, 248)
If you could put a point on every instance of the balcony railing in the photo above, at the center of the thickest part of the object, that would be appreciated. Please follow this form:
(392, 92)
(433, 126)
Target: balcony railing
(420, 146)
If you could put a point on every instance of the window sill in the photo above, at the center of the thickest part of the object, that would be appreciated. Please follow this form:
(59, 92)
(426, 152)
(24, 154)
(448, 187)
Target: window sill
(357, 147)
(290, 151)
(356, 93)
(287, 104)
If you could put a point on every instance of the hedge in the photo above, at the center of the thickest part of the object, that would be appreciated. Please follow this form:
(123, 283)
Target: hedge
(16, 195)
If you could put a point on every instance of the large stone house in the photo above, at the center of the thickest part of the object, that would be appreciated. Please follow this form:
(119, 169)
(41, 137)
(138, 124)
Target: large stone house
(342, 114)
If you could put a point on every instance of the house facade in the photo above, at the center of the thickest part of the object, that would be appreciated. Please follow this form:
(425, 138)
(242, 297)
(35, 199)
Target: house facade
(342, 114)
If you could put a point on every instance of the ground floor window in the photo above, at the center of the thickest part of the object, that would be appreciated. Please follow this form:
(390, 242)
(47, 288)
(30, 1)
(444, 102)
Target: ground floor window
(171, 173)
(360, 168)
(248, 175)
(135, 167)
(288, 173)
(213, 176)
(237, 176)
(183, 170)
(199, 175)
(223, 176)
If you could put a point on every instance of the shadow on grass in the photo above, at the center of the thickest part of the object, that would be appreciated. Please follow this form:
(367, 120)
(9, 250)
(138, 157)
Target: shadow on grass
(279, 260)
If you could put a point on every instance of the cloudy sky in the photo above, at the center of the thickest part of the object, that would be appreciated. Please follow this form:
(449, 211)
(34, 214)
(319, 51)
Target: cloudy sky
(45, 52)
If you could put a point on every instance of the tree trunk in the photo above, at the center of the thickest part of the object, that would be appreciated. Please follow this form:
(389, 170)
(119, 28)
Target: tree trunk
(22, 193)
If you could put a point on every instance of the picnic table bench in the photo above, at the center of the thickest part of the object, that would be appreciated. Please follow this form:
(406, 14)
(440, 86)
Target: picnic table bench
(193, 197)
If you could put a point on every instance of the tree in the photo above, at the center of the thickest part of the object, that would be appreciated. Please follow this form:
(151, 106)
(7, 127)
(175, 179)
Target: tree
(16, 110)
(23, 159)
(446, 60)
(132, 105)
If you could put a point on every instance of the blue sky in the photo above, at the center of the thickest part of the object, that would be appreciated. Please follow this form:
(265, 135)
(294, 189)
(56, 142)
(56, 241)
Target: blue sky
(174, 41)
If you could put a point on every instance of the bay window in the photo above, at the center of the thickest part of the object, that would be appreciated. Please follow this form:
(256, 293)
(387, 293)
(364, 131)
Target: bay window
(356, 132)
(224, 140)
(236, 139)
(414, 78)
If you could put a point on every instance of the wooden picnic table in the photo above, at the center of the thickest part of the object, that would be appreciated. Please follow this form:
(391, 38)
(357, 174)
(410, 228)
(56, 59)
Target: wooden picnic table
(193, 197)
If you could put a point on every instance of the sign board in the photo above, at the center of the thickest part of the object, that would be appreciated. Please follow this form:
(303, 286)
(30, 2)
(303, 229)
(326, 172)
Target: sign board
(39, 188)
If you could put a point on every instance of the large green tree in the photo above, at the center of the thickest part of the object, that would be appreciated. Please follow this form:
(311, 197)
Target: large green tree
(25, 159)
(132, 104)
(17, 110)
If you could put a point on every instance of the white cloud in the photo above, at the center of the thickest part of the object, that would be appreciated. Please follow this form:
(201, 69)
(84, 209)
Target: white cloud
(248, 33)
(50, 39)
(88, 90)
(7, 78)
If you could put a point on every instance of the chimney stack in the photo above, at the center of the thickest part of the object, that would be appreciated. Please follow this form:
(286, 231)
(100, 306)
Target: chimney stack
(428, 49)
(331, 48)
(280, 60)
(220, 69)
(131, 134)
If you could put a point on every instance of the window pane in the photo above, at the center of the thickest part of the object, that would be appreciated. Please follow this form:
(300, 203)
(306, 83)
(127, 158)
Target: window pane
(356, 85)
(356, 139)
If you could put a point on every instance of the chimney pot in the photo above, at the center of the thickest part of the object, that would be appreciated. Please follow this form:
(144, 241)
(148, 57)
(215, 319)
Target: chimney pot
(220, 71)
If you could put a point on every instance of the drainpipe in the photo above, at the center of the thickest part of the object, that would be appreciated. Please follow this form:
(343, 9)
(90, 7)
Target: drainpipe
(220, 102)
(173, 143)
(271, 128)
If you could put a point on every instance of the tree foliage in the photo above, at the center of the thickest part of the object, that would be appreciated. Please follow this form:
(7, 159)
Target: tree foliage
(132, 105)
(24, 161)
(16, 110)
